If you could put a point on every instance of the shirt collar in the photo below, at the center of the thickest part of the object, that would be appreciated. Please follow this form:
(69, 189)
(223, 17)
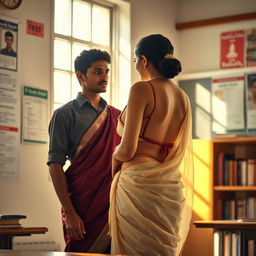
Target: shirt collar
(81, 99)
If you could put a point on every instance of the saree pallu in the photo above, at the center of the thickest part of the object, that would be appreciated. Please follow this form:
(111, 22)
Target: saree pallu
(151, 202)
(89, 180)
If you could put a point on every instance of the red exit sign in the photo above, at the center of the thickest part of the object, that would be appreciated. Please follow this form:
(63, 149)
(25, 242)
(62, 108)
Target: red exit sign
(35, 28)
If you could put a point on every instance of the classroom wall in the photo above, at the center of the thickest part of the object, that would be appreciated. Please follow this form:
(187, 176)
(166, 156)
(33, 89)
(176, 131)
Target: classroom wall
(153, 17)
(33, 194)
(200, 47)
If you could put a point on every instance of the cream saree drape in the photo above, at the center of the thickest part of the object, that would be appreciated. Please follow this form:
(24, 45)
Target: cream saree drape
(151, 203)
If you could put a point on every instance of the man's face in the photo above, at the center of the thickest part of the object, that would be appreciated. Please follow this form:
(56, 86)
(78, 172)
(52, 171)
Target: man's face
(9, 41)
(96, 78)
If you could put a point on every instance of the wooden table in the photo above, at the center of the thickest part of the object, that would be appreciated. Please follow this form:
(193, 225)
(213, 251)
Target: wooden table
(6, 235)
(246, 229)
(37, 253)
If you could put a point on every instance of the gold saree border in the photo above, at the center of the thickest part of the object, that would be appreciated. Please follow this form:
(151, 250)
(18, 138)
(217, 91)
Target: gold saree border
(90, 132)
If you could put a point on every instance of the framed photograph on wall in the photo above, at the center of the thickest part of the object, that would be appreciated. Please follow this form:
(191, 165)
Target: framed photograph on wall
(8, 43)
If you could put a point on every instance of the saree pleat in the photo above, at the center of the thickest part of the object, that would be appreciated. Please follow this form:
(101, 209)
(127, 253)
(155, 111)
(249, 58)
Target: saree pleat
(151, 203)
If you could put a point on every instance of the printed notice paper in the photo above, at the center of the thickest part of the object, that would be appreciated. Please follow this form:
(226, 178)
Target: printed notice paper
(251, 102)
(9, 125)
(228, 104)
(34, 119)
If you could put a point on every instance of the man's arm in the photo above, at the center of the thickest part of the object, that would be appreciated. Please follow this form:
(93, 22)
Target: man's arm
(73, 222)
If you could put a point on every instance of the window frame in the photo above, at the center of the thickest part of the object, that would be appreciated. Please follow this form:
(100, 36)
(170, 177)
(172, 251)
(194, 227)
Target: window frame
(111, 49)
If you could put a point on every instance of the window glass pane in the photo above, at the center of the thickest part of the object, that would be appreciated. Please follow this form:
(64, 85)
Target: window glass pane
(100, 25)
(62, 83)
(62, 54)
(55, 106)
(76, 87)
(106, 95)
(62, 17)
(81, 20)
(76, 50)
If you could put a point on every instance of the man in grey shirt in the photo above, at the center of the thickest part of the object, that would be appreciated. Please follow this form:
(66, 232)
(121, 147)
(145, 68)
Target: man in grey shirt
(84, 132)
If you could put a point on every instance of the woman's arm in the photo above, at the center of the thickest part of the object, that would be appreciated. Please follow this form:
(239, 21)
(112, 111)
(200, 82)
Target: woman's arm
(137, 103)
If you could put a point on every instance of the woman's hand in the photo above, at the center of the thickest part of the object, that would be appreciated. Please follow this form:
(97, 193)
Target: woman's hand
(116, 166)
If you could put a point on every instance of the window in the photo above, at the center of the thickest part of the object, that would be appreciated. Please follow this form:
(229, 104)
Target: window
(78, 25)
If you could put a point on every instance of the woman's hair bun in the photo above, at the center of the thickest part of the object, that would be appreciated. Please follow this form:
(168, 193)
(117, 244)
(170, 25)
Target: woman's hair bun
(169, 67)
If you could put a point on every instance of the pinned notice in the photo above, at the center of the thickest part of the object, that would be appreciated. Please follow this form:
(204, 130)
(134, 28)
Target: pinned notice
(35, 28)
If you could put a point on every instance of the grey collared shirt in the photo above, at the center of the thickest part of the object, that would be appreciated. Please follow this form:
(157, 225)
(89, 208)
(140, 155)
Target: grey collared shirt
(67, 126)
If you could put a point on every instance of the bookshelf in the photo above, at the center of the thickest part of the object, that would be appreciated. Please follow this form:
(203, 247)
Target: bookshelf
(229, 188)
(234, 194)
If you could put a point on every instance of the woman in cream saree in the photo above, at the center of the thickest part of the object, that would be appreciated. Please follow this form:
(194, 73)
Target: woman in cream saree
(151, 201)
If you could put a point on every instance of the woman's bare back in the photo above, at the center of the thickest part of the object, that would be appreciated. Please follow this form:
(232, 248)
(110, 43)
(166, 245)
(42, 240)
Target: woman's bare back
(162, 119)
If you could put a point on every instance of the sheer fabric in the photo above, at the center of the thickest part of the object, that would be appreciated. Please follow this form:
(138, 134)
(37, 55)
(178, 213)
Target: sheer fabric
(151, 203)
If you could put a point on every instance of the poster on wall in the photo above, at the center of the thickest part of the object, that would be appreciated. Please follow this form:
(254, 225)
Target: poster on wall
(228, 104)
(34, 115)
(251, 47)
(8, 43)
(251, 101)
(232, 49)
(9, 124)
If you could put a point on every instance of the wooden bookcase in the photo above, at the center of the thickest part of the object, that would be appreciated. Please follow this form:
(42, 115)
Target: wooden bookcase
(240, 148)
(207, 190)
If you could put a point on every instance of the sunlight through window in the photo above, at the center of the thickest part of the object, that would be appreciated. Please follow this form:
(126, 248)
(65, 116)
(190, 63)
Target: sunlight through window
(78, 25)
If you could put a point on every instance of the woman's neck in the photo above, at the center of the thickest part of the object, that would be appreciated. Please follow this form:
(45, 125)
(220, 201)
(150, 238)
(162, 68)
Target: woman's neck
(153, 73)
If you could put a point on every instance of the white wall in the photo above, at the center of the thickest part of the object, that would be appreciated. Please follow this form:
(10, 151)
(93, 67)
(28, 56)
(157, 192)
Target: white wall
(32, 194)
(200, 47)
(190, 10)
(153, 17)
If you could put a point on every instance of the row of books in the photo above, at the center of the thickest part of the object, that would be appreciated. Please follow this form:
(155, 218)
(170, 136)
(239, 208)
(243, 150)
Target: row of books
(10, 221)
(229, 243)
(229, 209)
(235, 172)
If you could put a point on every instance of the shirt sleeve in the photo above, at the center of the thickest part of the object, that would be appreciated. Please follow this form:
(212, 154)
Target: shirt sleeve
(59, 134)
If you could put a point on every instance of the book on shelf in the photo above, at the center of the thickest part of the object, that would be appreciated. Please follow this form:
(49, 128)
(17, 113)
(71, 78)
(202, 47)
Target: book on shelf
(10, 220)
(3, 226)
(12, 216)
(235, 171)
(226, 243)
(251, 247)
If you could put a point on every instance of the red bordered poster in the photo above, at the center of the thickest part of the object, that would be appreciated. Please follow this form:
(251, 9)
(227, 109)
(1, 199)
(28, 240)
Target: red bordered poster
(232, 49)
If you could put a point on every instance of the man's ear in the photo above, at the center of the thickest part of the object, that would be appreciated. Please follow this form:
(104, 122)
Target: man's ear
(80, 76)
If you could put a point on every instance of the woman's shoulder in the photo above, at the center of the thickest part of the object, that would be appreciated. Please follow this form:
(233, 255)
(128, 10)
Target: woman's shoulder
(140, 86)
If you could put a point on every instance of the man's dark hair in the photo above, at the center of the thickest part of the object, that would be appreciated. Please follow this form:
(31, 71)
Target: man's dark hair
(8, 33)
(87, 57)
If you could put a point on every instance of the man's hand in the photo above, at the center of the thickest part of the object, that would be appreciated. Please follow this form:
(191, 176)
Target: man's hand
(74, 226)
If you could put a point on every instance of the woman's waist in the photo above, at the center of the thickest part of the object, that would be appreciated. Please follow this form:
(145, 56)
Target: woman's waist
(138, 159)
(146, 152)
